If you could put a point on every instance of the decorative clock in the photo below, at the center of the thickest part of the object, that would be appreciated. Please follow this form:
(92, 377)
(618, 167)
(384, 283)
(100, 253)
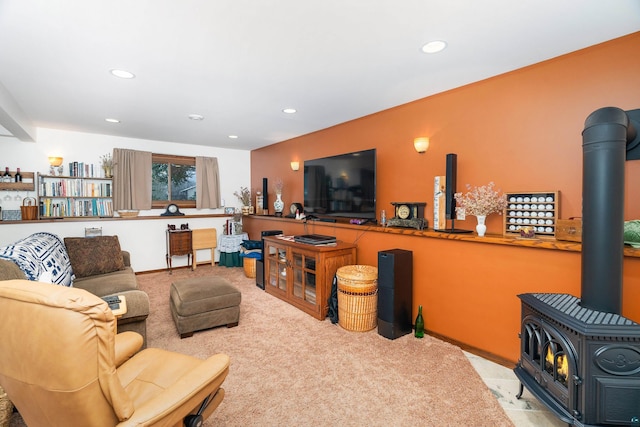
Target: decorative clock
(172, 210)
(295, 207)
(409, 215)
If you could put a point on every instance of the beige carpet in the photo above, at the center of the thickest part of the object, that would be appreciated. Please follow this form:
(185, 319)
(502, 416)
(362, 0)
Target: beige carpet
(289, 369)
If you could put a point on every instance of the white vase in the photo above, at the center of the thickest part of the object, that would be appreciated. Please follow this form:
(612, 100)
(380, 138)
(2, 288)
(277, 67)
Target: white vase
(278, 205)
(481, 228)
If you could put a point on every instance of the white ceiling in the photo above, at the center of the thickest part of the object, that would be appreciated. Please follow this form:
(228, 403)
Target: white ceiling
(240, 62)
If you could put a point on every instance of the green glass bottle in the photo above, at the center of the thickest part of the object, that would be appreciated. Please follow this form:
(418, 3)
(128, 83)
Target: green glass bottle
(419, 324)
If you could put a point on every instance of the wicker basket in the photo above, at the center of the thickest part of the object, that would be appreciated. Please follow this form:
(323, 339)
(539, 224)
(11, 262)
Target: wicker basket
(357, 297)
(6, 408)
(249, 265)
(128, 213)
(29, 210)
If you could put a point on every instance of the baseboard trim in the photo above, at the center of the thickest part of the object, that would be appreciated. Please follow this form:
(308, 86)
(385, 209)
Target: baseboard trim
(478, 352)
(173, 268)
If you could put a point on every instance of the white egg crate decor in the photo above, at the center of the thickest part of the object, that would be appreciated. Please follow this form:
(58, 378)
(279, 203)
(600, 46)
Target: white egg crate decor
(537, 209)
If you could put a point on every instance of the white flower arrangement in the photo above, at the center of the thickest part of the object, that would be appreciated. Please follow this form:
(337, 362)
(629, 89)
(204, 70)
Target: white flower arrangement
(481, 201)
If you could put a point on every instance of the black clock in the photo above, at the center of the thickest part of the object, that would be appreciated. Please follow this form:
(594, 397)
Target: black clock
(408, 214)
(409, 210)
(295, 207)
(172, 210)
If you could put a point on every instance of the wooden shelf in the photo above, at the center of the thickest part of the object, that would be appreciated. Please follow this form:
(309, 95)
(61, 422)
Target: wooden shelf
(110, 218)
(494, 239)
(89, 178)
(20, 186)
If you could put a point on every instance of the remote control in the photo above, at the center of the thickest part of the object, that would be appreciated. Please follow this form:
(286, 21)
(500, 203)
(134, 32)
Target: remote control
(113, 302)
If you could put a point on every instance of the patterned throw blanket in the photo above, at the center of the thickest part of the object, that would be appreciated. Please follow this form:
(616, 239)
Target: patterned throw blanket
(42, 256)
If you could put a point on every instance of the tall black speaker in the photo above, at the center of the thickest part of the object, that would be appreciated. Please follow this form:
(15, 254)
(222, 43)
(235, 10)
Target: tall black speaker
(260, 262)
(450, 182)
(395, 289)
(450, 194)
(265, 197)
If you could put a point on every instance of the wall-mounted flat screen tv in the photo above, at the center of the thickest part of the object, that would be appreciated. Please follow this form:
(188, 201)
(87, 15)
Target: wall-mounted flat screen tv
(341, 186)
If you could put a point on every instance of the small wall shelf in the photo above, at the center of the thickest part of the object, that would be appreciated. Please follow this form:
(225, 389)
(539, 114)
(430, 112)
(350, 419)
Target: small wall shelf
(28, 182)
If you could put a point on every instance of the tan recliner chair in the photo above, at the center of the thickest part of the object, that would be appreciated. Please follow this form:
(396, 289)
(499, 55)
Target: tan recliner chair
(62, 364)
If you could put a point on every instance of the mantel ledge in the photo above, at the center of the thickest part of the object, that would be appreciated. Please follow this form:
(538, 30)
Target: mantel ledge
(495, 239)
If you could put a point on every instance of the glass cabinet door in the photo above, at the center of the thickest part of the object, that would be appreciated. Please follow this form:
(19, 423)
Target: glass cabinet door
(282, 269)
(276, 258)
(304, 277)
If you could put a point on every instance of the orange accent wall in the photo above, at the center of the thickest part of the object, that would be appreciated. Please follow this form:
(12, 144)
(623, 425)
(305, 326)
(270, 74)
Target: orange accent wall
(521, 130)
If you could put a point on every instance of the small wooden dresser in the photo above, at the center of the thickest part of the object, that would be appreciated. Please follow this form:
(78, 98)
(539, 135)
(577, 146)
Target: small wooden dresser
(179, 244)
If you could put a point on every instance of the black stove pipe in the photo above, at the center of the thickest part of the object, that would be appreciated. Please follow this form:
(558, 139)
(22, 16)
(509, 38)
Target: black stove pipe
(604, 141)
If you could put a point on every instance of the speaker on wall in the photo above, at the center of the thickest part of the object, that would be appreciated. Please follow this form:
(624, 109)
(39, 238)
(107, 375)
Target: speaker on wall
(450, 185)
(265, 197)
(395, 290)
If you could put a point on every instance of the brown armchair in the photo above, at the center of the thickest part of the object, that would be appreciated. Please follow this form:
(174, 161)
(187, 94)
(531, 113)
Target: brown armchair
(62, 364)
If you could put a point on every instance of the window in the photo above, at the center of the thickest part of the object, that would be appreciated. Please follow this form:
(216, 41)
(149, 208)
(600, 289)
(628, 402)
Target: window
(173, 180)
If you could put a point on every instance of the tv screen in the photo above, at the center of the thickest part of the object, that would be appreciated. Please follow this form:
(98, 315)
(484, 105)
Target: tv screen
(341, 186)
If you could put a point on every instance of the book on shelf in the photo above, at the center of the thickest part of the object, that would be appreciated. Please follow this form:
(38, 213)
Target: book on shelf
(72, 207)
(84, 170)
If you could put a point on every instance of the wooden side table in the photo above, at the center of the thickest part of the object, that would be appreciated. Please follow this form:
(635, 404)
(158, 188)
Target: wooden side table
(178, 244)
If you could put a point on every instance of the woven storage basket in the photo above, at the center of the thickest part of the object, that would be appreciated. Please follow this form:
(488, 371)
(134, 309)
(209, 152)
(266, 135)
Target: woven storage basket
(249, 265)
(357, 297)
(128, 213)
(6, 408)
(29, 210)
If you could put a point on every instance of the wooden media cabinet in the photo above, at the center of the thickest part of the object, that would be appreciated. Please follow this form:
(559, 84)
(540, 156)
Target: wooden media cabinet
(302, 274)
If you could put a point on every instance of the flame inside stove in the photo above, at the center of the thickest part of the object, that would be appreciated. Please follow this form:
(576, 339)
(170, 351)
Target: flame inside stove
(561, 365)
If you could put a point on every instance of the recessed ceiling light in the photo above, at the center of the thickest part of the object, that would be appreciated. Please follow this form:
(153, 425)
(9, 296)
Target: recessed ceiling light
(112, 120)
(122, 74)
(289, 110)
(196, 117)
(233, 136)
(434, 46)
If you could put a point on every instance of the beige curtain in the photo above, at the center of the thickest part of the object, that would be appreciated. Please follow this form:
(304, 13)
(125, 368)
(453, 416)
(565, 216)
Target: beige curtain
(207, 183)
(131, 179)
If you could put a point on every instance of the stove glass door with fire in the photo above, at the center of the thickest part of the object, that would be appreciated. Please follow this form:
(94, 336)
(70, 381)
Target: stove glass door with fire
(550, 360)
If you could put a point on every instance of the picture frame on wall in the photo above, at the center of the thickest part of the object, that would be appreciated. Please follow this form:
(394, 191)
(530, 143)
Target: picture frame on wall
(229, 210)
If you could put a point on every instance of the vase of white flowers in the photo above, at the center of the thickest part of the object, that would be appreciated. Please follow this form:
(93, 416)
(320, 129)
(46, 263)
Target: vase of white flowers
(481, 202)
(481, 227)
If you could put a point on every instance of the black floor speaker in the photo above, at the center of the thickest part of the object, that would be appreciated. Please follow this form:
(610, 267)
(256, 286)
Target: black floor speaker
(395, 290)
(260, 274)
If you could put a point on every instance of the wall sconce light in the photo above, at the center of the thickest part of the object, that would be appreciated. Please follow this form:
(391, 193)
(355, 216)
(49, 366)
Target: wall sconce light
(295, 166)
(55, 162)
(421, 144)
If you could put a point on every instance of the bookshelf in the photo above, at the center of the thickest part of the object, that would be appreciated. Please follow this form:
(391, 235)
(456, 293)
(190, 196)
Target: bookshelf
(72, 197)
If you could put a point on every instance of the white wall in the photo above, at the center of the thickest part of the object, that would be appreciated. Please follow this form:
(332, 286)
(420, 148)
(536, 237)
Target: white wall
(145, 239)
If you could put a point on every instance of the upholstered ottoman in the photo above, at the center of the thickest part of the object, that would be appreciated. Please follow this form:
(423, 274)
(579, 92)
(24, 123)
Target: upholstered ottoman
(203, 303)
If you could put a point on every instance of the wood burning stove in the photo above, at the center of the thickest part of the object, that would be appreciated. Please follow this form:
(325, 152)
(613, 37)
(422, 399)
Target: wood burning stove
(580, 357)
(583, 364)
